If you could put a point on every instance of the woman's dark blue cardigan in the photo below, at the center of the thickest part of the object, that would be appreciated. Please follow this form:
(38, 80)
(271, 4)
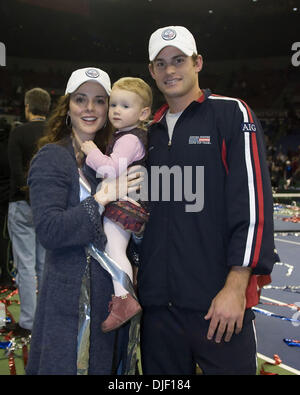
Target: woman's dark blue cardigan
(64, 225)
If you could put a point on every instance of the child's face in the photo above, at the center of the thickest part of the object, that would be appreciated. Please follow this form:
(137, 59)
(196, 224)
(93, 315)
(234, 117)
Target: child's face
(125, 108)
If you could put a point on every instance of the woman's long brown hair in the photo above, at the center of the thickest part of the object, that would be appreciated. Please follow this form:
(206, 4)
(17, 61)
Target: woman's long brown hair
(56, 130)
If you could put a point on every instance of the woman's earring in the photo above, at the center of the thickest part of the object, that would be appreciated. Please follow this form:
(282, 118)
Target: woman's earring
(68, 121)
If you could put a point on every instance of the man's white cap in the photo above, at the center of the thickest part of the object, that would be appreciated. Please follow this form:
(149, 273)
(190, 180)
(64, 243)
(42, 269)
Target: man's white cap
(174, 36)
(81, 76)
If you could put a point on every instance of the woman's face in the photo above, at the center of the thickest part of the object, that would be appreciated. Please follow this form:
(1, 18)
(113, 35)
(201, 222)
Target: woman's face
(88, 110)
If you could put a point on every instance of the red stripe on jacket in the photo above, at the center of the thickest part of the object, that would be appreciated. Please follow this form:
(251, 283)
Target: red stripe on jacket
(224, 153)
(260, 199)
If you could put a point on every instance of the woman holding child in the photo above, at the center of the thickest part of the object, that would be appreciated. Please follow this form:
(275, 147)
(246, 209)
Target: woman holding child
(67, 208)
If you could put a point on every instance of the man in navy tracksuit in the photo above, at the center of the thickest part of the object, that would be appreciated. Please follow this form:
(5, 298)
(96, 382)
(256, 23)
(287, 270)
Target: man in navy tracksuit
(209, 241)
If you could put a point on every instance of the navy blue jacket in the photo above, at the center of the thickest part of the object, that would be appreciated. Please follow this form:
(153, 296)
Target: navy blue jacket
(189, 246)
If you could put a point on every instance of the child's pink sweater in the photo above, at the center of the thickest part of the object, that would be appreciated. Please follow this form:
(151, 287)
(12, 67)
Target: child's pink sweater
(128, 148)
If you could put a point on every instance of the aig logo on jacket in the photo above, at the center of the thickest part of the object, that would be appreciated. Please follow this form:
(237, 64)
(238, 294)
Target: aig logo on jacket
(248, 127)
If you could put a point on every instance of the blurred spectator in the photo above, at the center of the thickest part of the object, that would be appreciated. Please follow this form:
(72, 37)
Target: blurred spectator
(5, 278)
(287, 174)
(28, 253)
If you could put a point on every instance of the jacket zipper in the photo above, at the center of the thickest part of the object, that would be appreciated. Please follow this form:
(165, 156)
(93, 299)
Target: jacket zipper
(170, 301)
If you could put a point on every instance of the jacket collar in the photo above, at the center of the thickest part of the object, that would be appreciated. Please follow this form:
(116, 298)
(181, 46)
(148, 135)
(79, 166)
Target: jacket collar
(163, 109)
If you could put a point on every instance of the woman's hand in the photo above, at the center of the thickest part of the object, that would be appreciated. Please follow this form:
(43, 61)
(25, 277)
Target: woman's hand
(112, 189)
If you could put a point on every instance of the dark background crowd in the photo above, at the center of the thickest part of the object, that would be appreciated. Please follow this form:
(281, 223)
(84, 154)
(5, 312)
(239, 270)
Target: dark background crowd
(247, 47)
(274, 95)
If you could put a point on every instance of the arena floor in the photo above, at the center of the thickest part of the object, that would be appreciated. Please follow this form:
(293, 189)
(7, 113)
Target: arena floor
(277, 314)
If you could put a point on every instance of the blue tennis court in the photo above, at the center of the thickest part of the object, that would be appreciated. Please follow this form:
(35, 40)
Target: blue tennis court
(279, 315)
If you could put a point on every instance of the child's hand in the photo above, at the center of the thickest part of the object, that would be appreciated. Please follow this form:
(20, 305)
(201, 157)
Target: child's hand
(88, 146)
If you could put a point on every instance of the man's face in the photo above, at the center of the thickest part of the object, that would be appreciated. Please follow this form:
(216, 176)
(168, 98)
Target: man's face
(176, 74)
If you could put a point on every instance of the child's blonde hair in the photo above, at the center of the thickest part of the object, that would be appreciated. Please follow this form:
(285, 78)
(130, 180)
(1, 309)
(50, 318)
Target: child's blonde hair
(138, 86)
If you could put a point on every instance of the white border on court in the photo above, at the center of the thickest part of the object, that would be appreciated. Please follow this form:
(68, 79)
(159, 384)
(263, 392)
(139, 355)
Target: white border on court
(287, 241)
(283, 366)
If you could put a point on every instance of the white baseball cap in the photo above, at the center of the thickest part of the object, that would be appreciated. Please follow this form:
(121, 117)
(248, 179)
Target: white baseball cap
(174, 36)
(80, 76)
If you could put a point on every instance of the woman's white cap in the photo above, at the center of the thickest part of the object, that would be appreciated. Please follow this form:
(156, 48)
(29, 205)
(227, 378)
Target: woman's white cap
(81, 76)
(174, 36)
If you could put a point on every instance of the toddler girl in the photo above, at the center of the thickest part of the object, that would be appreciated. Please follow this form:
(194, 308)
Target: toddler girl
(129, 109)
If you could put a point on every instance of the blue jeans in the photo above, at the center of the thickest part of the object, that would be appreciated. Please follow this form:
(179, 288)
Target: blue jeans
(29, 258)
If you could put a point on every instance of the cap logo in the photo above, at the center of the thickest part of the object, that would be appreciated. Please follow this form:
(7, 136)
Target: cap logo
(168, 34)
(92, 73)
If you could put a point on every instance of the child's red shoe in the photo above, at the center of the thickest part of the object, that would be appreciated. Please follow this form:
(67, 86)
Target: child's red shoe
(122, 309)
